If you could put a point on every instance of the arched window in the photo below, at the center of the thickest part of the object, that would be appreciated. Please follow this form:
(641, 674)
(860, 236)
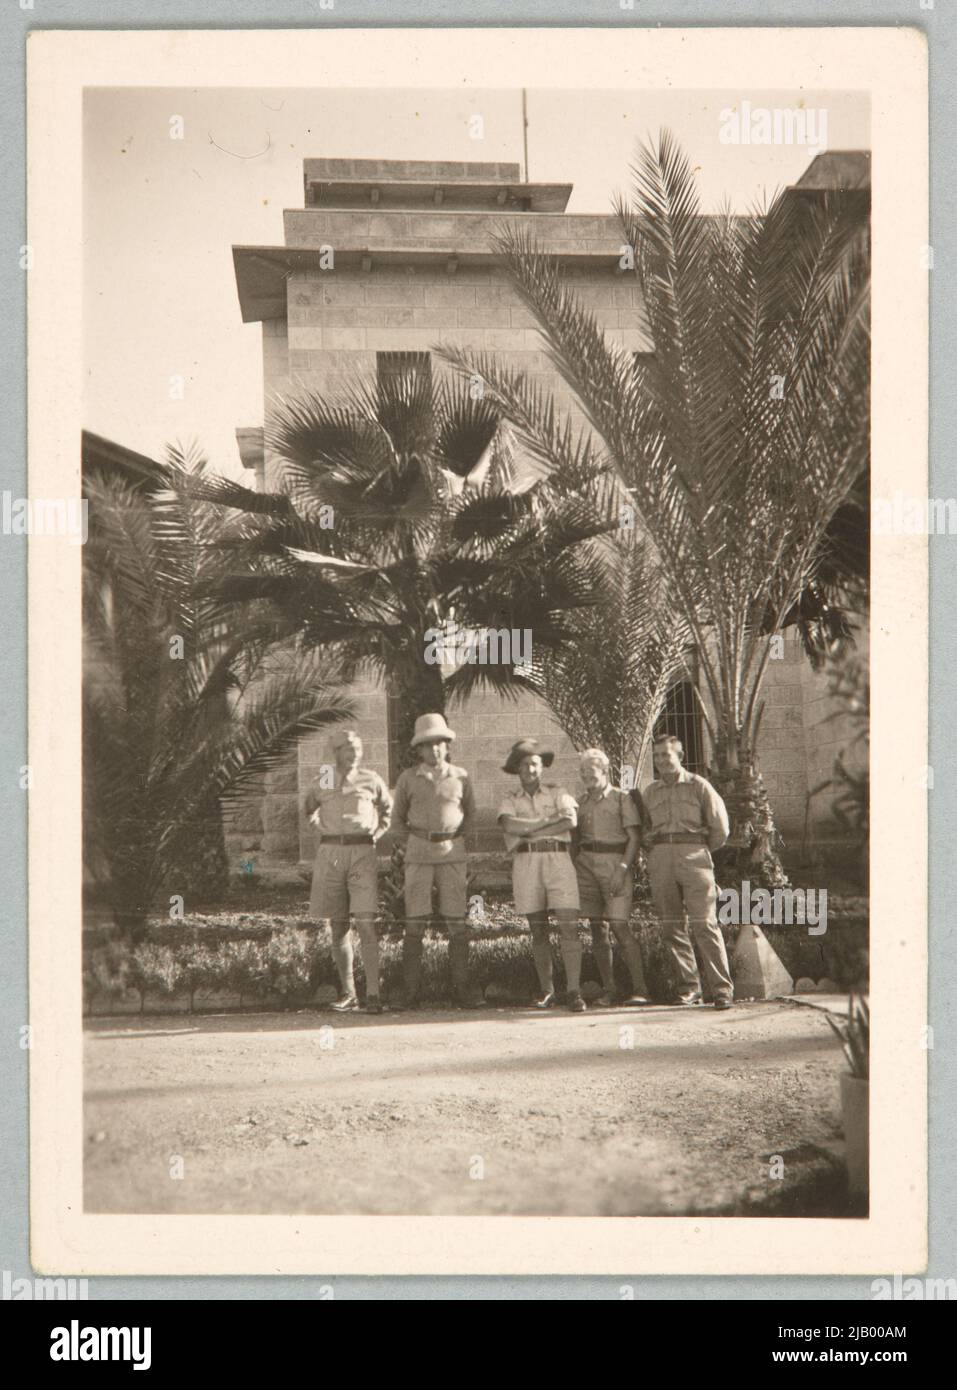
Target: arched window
(682, 717)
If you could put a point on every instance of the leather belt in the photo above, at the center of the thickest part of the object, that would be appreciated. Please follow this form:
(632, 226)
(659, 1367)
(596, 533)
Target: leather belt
(436, 835)
(347, 839)
(602, 847)
(684, 838)
(542, 847)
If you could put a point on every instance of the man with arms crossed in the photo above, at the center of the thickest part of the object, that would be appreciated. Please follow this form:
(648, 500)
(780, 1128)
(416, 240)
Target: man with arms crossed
(607, 843)
(350, 816)
(686, 820)
(538, 821)
(434, 811)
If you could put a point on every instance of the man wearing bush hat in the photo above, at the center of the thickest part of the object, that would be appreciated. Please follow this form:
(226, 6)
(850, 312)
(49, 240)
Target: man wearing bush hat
(350, 816)
(434, 811)
(538, 820)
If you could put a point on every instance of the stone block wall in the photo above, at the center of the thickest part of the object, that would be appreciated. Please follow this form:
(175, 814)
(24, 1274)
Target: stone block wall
(338, 321)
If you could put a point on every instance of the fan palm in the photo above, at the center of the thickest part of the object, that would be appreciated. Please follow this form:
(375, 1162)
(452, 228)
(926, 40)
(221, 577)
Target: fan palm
(738, 439)
(406, 507)
(184, 706)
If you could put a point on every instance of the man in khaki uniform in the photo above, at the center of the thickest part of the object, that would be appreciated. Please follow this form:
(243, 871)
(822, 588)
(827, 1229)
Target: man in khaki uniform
(538, 820)
(607, 843)
(685, 820)
(350, 816)
(434, 811)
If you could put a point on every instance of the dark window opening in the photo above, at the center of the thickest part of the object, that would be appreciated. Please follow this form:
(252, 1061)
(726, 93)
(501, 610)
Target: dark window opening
(682, 717)
(390, 366)
(398, 753)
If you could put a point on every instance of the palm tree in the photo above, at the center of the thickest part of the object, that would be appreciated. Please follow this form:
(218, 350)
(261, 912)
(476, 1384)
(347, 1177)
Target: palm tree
(739, 439)
(607, 684)
(184, 705)
(407, 506)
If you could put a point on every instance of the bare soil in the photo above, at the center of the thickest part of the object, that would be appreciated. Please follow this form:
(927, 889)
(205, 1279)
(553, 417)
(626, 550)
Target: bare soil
(497, 1112)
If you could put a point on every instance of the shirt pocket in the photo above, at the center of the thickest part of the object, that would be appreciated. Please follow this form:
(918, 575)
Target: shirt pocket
(450, 789)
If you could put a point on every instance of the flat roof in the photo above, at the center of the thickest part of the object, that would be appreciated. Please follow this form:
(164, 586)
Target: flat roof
(262, 272)
(450, 195)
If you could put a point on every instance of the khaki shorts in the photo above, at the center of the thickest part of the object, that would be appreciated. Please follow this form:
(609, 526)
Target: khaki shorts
(344, 883)
(543, 881)
(448, 878)
(594, 885)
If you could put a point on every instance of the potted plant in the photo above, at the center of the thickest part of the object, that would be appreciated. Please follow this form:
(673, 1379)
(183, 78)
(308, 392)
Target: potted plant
(854, 1033)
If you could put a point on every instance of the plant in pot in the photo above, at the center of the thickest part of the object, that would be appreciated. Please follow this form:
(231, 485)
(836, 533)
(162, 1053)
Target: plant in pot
(854, 1033)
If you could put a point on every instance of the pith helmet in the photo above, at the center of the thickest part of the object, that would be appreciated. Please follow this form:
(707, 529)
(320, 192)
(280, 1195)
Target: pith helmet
(429, 728)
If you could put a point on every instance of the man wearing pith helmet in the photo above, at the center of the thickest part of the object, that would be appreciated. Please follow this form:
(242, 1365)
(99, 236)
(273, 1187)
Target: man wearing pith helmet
(350, 816)
(538, 820)
(607, 843)
(686, 820)
(434, 811)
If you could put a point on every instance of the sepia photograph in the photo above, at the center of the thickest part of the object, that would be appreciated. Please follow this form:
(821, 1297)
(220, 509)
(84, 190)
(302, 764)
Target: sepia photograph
(475, 574)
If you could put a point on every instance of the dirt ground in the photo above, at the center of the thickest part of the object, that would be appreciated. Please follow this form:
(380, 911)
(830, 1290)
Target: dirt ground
(497, 1112)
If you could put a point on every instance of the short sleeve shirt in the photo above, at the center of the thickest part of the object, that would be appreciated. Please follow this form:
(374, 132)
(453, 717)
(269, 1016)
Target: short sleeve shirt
(605, 816)
(434, 799)
(550, 802)
(358, 804)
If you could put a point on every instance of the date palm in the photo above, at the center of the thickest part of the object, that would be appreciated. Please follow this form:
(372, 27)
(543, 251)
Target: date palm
(739, 439)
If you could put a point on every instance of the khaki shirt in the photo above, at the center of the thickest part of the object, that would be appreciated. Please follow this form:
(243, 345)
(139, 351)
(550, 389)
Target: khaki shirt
(550, 802)
(606, 816)
(359, 804)
(688, 805)
(434, 799)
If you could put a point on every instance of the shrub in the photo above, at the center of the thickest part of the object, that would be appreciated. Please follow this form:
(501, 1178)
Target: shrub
(288, 960)
(242, 966)
(107, 972)
(154, 970)
(198, 970)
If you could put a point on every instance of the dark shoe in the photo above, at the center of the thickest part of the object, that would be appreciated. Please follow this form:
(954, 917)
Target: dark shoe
(637, 999)
(575, 1003)
(684, 1000)
(723, 1002)
(348, 1004)
(547, 1001)
(373, 1004)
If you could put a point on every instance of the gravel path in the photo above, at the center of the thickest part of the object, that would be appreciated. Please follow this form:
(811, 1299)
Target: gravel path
(497, 1112)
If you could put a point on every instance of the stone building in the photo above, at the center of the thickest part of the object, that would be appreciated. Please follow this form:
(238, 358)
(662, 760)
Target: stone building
(385, 260)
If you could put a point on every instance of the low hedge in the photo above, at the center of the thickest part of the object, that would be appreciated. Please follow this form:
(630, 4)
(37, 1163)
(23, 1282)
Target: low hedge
(283, 965)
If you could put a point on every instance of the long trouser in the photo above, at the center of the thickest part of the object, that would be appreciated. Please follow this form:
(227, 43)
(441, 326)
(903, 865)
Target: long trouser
(412, 939)
(685, 897)
(342, 954)
(601, 934)
(571, 948)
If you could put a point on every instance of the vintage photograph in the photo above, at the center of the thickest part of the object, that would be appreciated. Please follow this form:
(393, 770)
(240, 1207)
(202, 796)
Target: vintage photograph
(475, 708)
(451, 716)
